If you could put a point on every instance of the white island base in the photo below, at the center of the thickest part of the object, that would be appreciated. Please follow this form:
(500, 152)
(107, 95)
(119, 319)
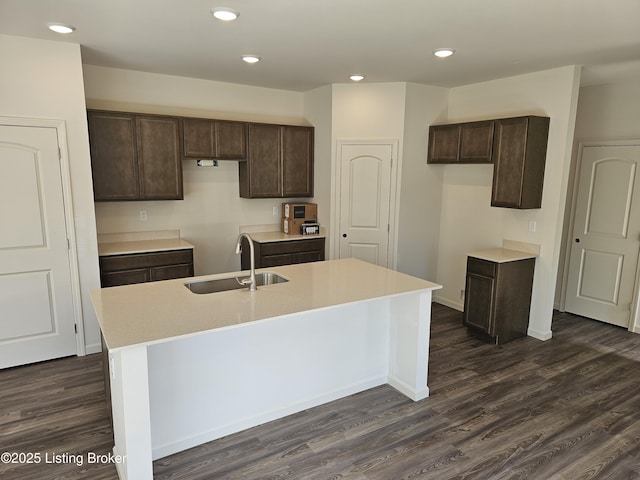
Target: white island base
(177, 393)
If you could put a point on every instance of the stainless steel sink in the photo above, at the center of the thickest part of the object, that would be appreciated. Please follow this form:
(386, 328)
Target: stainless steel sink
(232, 283)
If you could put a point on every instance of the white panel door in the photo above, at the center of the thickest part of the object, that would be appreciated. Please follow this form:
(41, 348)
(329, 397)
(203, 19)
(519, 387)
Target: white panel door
(365, 185)
(36, 305)
(606, 234)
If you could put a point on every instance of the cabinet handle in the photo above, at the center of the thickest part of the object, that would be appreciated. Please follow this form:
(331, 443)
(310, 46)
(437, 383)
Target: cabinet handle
(344, 235)
(577, 240)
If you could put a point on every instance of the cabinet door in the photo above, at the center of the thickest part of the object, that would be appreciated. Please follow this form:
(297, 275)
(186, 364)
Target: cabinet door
(476, 139)
(159, 161)
(297, 161)
(220, 139)
(113, 156)
(444, 142)
(198, 136)
(519, 154)
(261, 174)
(231, 140)
(478, 303)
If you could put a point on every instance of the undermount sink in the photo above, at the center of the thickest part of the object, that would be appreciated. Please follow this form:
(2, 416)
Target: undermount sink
(232, 283)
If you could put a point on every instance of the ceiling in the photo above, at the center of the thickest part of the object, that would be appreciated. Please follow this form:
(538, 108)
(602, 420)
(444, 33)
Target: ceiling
(305, 44)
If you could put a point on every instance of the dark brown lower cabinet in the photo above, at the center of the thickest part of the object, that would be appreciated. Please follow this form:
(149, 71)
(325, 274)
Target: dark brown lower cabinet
(145, 267)
(498, 298)
(274, 254)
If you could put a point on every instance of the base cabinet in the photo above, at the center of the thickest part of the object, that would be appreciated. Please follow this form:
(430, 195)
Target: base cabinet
(274, 254)
(498, 298)
(145, 267)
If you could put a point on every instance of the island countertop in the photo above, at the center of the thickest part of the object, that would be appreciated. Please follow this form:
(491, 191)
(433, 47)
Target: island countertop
(156, 312)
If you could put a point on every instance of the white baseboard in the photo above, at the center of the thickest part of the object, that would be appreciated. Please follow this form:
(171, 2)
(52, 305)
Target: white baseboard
(449, 303)
(540, 335)
(93, 348)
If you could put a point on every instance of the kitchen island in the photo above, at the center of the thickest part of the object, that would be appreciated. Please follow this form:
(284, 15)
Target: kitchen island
(188, 368)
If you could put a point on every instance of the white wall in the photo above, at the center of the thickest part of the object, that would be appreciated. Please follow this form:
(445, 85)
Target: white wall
(317, 111)
(364, 112)
(43, 79)
(212, 211)
(421, 184)
(608, 111)
(469, 223)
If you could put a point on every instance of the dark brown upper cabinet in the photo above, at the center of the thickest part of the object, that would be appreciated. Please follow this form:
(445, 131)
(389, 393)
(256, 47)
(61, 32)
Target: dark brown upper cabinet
(279, 162)
(519, 154)
(135, 156)
(297, 161)
(468, 142)
(217, 139)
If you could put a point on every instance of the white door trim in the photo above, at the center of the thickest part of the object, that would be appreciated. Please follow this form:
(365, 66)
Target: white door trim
(65, 171)
(634, 323)
(394, 204)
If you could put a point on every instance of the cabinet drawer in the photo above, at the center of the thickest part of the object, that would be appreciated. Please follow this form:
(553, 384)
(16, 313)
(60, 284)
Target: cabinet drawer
(276, 260)
(128, 277)
(171, 272)
(297, 246)
(114, 263)
(481, 267)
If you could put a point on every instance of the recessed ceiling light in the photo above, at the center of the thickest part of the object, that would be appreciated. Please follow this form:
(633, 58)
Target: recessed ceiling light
(60, 28)
(225, 14)
(443, 52)
(251, 58)
(356, 77)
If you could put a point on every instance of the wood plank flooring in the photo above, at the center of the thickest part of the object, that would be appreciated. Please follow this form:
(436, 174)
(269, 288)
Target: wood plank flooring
(565, 409)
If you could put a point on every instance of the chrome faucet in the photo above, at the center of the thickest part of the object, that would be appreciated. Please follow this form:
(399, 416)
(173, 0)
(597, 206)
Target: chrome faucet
(251, 281)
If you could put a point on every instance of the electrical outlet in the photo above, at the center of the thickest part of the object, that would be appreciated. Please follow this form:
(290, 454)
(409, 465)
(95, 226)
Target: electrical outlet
(276, 211)
(532, 226)
(143, 215)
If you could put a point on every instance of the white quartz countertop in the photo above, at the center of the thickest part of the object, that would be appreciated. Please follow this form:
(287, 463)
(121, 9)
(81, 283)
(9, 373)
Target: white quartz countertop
(501, 255)
(142, 246)
(155, 312)
(265, 237)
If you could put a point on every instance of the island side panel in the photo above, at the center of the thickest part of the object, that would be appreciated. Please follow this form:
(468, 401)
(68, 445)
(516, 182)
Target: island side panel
(131, 415)
(409, 343)
(227, 380)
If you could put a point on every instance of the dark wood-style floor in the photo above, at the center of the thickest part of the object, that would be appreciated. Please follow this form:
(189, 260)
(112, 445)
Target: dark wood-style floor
(565, 409)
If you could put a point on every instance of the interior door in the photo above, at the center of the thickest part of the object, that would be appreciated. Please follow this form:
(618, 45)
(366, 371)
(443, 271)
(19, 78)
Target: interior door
(365, 185)
(36, 305)
(606, 234)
